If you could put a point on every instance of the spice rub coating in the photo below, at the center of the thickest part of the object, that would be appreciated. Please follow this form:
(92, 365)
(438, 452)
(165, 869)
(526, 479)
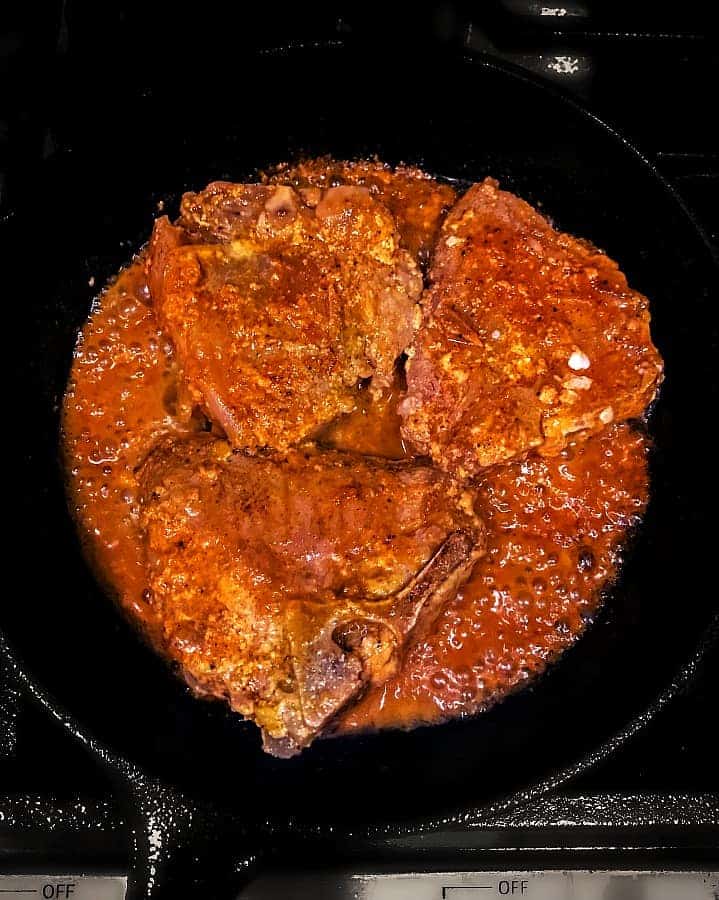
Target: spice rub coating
(287, 584)
(531, 339)
(277, 308)
(417, 201)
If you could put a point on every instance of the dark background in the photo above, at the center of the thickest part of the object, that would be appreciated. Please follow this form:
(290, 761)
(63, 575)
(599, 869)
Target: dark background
(652, 73)
(649, 68)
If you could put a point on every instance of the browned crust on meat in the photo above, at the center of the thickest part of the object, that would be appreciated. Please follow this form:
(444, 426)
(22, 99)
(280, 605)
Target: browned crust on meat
(277, 308)
(531, 337)
(288, 585)
(416, 200)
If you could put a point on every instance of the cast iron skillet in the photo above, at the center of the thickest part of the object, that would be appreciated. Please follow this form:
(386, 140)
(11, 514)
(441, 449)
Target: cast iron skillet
(83, 215)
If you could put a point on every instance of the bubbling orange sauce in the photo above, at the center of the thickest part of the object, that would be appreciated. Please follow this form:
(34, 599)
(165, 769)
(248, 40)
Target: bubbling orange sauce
(372, 428)
(122, 396)
(555, 529)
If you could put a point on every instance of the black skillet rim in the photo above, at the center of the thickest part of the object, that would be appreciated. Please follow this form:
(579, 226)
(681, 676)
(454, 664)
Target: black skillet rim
(397, 828)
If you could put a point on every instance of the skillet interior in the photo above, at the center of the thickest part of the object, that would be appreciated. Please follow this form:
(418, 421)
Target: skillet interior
(84, 214)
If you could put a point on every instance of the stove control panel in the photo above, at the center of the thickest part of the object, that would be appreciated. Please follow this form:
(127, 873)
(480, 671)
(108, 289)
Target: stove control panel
(542, 886)
(63, 887)
(529, 885)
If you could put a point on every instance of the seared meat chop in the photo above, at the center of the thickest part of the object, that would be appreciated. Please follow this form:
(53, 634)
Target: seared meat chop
(531, 337)
(278, 305)
(288, 584)
(414, 198)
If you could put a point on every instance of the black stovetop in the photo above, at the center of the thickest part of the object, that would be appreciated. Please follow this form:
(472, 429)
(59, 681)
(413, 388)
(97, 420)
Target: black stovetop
(653, 77)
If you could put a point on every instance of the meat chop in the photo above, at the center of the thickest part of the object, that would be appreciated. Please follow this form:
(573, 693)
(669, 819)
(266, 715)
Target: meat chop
(277, 307)
(531, 338)
(289, 584)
